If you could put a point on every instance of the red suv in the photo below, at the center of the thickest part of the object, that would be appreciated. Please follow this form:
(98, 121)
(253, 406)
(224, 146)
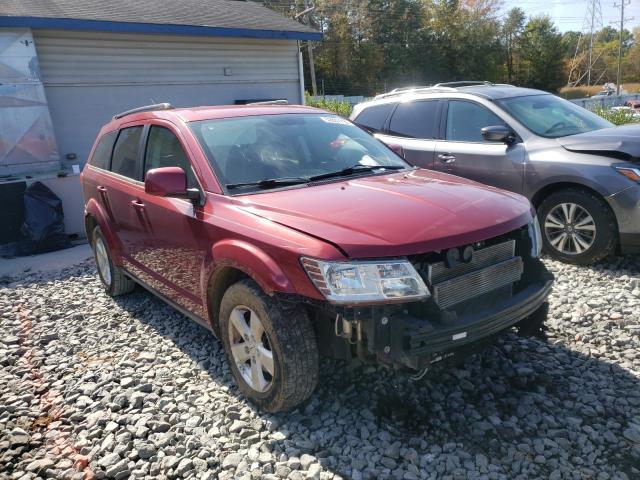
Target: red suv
(290, 232)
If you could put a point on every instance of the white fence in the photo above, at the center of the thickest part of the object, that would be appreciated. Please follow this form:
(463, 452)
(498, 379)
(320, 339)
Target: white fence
(605, 102)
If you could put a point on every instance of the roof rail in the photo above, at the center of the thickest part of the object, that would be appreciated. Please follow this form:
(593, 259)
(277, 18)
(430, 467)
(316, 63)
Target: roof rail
(402, 91)
(463, 83)
(405, 89)
(146, 108)
(270, 102)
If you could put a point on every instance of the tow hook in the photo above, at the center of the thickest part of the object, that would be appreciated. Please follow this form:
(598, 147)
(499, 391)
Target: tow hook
(344, 328)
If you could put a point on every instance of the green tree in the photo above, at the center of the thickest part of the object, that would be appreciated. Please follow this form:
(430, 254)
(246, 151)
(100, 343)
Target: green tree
(512, 29)
(542, 55)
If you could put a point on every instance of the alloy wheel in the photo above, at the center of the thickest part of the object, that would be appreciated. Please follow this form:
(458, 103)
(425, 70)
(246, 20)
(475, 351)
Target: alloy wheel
(570, 228)
(102, 259)
(250, 348)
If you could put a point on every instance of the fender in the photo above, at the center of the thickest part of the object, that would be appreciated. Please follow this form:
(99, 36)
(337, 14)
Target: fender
(94, 209)
(536, 188)
(253, 261)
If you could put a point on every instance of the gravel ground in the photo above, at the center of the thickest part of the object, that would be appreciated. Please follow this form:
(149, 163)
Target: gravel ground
(92, 387)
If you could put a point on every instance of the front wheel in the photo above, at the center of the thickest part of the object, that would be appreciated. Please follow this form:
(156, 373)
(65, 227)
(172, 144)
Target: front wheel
(271, 347)
(577, 227)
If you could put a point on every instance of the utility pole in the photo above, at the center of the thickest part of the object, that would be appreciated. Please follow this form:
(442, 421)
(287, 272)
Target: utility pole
(583, 66)
(591, 32)
(312, 67)
(621, 6)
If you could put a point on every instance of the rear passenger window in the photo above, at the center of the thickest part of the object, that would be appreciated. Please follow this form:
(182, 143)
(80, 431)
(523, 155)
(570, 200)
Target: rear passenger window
(164, 150)
(102, 154)
(126, 153)
(373, 118)
(415, 120)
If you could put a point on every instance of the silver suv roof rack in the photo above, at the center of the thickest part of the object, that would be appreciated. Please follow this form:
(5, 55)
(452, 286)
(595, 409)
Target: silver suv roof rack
(270, 102)
(463, 83)
(146, 108)
(401, 91)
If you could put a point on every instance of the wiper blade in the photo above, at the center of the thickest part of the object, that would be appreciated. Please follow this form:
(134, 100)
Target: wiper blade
(355, 169)
(269, 182)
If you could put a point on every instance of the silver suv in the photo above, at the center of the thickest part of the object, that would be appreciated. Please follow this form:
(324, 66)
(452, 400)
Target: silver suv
(580, 171)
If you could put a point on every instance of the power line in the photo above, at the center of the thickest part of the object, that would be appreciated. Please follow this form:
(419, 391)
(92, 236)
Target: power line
(579, 68)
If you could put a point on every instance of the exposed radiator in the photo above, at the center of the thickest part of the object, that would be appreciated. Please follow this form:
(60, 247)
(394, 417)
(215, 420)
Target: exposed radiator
(438, 272)
(491, 268)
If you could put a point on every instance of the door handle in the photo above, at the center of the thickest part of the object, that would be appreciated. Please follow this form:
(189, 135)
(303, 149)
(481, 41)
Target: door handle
(446, 158)
(137, 203)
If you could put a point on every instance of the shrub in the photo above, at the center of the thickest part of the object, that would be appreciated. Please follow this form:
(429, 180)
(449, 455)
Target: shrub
(341, 108)
(617, 117)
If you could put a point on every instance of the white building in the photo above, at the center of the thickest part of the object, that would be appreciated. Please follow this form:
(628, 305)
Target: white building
(67, 66)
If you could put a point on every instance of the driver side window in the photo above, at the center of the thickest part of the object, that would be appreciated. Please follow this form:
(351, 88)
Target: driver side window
(466, 119)
(164, 150)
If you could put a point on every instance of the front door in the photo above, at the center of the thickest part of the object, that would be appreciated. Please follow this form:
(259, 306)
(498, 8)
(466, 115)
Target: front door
(172, 237)
(465, 153)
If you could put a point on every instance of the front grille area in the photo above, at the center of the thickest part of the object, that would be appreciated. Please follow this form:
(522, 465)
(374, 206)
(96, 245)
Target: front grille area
(476, 283)
(438, 272)
(491, 268)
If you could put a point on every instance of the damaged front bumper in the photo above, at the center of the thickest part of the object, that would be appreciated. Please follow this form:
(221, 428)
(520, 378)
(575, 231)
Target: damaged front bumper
(403, 335)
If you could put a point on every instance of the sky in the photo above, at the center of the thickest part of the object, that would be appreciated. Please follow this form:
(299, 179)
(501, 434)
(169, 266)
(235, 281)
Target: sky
(569, 14)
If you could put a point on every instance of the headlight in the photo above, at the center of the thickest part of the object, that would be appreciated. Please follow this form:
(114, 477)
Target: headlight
(366, 281)
(631, 173)
(536, 237)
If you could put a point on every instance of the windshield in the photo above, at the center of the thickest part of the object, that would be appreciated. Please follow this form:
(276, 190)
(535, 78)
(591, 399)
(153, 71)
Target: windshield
(552, 117)
(270, 151)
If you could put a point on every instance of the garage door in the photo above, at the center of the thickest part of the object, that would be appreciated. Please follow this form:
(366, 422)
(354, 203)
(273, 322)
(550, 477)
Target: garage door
(90, 76)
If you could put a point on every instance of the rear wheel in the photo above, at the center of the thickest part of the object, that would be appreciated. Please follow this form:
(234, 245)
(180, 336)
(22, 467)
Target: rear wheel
(113, 279)
(271, 347)
(577, 226)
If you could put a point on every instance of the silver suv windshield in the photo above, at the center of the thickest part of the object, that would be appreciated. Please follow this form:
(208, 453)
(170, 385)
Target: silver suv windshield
(552, 117)
(270, 151)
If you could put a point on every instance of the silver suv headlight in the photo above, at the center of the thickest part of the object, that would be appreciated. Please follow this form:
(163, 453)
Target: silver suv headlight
(366, 281)
(536, 237)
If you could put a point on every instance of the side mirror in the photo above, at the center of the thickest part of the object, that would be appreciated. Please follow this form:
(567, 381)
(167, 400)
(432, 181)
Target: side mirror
(498, 133)
(169, 182)
(397, 149)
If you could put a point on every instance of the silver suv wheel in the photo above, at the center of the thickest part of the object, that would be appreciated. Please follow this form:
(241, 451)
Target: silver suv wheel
(570, 229)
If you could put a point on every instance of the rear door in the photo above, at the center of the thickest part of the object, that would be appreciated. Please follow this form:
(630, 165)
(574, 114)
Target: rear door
(414, 126)
(119, 186)
(465, 153)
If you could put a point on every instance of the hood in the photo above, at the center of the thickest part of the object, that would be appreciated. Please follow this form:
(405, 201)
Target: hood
(623, 140)
(394, 215)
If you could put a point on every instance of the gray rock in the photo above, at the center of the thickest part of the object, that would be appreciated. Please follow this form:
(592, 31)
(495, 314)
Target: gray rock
(231, 460)
(18, 437)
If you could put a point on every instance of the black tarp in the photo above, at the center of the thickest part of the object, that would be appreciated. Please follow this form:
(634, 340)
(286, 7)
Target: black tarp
(43, 226)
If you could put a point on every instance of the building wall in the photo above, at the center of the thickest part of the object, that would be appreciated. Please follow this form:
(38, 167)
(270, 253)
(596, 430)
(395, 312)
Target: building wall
(90, 76)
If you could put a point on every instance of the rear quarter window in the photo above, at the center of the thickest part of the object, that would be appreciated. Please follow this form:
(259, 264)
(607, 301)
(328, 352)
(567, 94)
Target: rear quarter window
(101, 157)
(126, 153)
(373, 118)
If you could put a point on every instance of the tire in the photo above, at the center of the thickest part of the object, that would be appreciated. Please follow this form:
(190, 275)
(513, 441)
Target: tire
(558, 218)
(113, 279)
(286, 337)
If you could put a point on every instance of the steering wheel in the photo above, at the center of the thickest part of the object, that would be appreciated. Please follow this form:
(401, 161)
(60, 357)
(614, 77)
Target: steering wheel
(556, 126)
